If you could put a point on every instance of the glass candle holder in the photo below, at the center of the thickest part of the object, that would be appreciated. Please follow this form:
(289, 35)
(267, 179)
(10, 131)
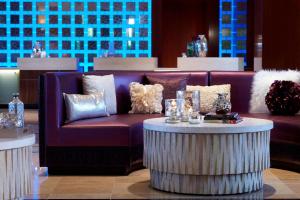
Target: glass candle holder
(180, 94)
(170, 106)
(180, 107)
(181, 104)
(196, 100)
(195, 118)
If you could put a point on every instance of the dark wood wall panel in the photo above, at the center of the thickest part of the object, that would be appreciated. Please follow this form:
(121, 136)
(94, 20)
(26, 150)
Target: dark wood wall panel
(175, 22)
(29, 86)
(258, 26)
(281, 34)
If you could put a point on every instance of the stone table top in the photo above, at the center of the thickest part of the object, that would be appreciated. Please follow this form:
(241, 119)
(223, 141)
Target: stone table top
(247, 125)
(15, 138)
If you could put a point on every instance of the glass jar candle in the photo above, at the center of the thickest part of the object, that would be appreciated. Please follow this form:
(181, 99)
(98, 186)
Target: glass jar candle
(196, 100)
(180, 99)
(180, 94)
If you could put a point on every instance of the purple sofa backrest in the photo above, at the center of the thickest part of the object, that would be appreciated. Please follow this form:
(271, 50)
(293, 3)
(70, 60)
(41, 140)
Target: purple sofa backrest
(71, 83)
(240, 87)
(122, 81)
(194, 78)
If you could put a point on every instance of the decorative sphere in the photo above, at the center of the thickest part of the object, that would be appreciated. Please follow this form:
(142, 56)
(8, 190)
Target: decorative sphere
(283, 98)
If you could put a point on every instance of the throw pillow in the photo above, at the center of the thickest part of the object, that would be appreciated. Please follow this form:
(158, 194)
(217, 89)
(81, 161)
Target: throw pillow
(93, 84)
(80, 106)
(261, 84)
(170, 84)
(209, 94)
(283, 98)
(145, 98)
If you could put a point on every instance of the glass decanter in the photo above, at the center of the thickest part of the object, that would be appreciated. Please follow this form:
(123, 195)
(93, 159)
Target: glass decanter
(16, 107)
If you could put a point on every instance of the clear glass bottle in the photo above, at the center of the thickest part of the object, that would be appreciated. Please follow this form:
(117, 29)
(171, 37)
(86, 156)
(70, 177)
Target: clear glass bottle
(16, 107)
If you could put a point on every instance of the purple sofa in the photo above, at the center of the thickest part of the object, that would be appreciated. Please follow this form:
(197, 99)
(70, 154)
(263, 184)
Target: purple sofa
(114, 145)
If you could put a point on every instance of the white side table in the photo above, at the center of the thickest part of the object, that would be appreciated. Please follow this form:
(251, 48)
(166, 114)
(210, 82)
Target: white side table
(15, 163)
(207, 158)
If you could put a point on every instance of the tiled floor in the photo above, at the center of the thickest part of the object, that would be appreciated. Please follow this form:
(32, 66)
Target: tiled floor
(279, 184)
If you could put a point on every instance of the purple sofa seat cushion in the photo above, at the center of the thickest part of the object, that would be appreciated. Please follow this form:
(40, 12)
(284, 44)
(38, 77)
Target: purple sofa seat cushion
(115, 130)
(286, 128)
(136, 126)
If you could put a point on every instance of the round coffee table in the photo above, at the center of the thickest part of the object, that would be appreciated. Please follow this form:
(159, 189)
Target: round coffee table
(15, 163)
(207, 158)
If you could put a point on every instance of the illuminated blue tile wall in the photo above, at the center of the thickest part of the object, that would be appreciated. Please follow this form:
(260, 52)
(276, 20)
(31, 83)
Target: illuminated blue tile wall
(75, 28)
(233, 28)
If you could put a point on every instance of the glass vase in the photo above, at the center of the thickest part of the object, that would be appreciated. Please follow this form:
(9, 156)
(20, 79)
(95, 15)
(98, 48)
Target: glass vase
(203, 46)
(222, 104)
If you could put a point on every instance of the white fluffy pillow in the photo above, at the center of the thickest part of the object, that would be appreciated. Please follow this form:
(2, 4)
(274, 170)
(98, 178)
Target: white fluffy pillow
(93, 84)
(209, 94)
(145, 98)
(261, 84)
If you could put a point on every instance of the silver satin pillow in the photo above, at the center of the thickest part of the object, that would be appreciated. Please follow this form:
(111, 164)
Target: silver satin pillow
(80, 106)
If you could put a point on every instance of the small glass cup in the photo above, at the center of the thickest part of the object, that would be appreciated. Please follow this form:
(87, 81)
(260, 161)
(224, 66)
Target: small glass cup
(195, 118)
(169, 105)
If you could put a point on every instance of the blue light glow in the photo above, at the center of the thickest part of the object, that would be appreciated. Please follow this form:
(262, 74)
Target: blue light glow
(68, 28)
(233, 28)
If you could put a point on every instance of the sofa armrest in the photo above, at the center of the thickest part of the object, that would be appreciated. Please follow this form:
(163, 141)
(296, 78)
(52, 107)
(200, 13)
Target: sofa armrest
(52, 108)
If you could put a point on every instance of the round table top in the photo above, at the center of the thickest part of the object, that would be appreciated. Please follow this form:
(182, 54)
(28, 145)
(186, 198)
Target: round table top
(15, 138)
(247, 125)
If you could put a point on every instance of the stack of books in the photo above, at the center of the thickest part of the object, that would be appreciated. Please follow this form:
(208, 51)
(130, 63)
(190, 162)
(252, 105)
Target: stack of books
(230, 118)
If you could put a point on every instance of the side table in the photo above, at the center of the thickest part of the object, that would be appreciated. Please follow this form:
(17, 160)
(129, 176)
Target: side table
(15, 162)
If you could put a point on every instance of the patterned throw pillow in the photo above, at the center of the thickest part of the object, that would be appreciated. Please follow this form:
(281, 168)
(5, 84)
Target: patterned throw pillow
(208, 95)
(145, 98)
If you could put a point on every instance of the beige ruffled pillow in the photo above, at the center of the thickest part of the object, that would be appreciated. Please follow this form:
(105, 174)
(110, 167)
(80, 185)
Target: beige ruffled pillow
(145, 98)
(209, 94)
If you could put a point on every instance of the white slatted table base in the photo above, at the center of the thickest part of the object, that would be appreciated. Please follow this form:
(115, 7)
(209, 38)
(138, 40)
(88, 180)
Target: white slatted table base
(15, 172)
(206, 163)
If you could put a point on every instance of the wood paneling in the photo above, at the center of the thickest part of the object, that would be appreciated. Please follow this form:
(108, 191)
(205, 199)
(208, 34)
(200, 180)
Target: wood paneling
(281, 34)
(250, 34)
(29, 89)
(175, 22)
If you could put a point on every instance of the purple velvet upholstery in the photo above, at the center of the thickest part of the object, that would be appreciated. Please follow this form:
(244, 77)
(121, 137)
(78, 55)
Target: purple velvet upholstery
(116, 130)
(109, 133)
(71, 83)
(286, 128)
(116, 142)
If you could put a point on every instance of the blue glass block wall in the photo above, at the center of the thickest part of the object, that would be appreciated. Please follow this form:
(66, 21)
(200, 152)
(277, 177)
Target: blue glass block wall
(233, 28)
(75, 28)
